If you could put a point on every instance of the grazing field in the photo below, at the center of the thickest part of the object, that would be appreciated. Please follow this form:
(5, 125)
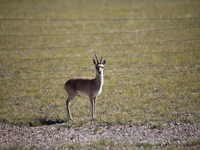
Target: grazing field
(152, 49)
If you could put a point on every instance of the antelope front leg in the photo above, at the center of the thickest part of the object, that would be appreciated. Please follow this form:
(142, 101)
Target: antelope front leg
(93, 103)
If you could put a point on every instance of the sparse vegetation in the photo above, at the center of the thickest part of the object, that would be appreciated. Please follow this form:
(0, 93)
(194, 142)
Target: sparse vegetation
(153, 65)
(152, 72)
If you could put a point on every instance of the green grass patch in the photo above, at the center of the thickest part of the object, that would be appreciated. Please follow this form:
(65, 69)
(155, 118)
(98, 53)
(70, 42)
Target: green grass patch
(192, 143)
(152, 71)
(17, 147)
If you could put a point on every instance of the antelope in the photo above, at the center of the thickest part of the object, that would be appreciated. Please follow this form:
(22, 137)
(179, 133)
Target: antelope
(86, 86)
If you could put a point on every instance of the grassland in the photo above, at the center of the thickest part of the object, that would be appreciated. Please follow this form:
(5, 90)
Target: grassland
(152, 71)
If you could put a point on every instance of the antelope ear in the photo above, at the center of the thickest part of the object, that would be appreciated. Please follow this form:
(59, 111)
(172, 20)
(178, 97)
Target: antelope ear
(94, 61)
(104, 62)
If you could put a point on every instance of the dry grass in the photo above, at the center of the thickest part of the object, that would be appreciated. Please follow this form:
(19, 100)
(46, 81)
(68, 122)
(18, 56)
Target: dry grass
(151, 74)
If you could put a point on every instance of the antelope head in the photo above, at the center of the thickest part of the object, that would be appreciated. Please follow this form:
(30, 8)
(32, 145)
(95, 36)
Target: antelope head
(99, 65)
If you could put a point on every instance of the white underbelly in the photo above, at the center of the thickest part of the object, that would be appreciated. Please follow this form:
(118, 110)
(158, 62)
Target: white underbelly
(81, 93)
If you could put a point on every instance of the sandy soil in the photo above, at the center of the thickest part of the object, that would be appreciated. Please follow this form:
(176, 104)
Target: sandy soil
(56, 135)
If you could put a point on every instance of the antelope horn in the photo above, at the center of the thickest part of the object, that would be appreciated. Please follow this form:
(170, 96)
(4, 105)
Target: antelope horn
(101, 58)
(97, 58)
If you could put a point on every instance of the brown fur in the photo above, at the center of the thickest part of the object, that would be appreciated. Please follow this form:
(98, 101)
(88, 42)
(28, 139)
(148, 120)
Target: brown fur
(84, 86)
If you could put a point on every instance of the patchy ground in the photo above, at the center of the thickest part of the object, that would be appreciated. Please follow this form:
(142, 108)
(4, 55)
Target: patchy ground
(55, 136)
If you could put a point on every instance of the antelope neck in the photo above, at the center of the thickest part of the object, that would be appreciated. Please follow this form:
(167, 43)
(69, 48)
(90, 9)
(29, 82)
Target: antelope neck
(99, 79)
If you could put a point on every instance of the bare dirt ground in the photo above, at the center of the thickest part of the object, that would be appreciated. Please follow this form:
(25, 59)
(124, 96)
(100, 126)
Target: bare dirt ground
(49, 136)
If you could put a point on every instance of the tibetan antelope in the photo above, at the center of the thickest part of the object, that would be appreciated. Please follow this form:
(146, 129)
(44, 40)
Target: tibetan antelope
(84, 86)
